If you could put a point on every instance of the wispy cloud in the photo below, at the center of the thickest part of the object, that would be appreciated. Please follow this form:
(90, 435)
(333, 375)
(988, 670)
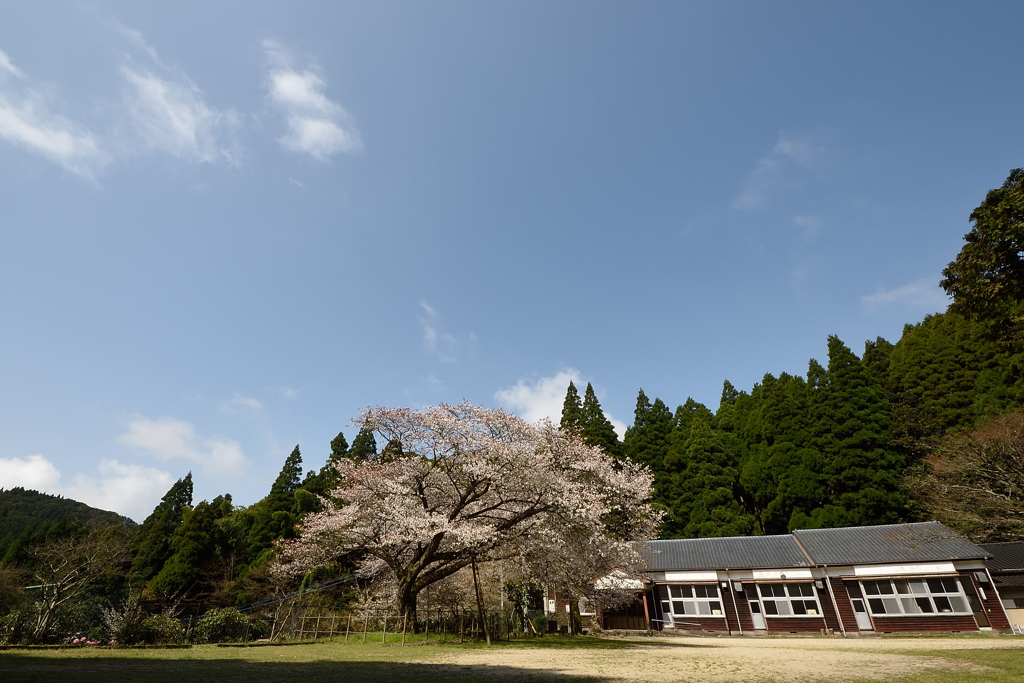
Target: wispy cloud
(26, 120)
(242, 404)
(168, 438)
(170, 115)
(128, 489)
(315, 124)
(769, 172)
(923, 294)
(436, 341)
(544, 397)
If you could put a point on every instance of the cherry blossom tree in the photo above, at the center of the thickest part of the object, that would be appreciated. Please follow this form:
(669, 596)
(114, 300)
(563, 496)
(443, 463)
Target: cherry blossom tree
(460, 484)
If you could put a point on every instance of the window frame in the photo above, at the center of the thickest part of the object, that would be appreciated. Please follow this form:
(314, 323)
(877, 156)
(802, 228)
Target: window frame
(770, 603)
(919, 598)
(688, 595)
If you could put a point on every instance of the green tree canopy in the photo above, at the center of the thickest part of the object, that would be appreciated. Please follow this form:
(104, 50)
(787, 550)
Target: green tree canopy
(986, 280)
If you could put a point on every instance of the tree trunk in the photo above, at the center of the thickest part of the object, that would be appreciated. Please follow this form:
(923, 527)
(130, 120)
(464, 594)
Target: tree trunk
(480, 604)
(407, 603)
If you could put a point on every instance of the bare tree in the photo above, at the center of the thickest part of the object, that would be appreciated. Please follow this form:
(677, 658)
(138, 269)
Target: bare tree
(66, 567)
(973, 482)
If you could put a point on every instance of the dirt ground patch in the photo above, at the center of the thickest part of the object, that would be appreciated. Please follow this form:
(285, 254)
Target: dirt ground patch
(719, 660)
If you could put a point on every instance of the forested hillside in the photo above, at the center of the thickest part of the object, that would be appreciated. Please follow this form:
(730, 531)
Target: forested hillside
(27, 516)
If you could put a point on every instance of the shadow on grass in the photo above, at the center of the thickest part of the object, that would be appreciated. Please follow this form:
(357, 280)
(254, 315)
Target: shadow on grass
(113, 669)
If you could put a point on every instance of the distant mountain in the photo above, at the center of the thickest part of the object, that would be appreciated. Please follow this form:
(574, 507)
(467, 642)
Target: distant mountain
(21, 509)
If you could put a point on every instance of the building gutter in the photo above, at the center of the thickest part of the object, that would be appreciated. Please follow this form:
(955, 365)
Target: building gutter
(735, 609)
(831, 592)
(835, 605)
(999, 598)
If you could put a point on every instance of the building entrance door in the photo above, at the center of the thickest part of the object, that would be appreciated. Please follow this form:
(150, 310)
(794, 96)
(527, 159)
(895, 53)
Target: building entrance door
(757, 616)
(863, 620)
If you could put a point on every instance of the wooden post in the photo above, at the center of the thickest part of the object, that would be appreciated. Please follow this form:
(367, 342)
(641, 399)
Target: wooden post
(444, 626)
(384, 637)
(366, 622)
(405, 622)
(348, 627)
(462, 624)
(316, 629)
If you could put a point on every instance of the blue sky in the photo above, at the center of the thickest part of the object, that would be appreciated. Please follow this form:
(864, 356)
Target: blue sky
(227, 227)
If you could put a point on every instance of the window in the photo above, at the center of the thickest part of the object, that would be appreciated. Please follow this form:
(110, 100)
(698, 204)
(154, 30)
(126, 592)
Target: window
(915, 596)
(692, 601)
(788, 599)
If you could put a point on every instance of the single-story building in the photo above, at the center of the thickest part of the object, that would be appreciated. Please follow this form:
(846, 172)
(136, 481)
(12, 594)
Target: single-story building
(890, 578)
(1006, 565)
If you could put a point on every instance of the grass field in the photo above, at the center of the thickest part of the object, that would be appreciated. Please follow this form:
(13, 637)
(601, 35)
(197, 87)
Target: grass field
(670, 659)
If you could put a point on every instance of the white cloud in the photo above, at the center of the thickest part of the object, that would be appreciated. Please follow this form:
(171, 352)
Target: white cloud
(921, 294)
(544, 398)
(128, 489)
(769, 172)
(316, 125)
(26, 121)
(33, 472)
(168, 438)
(241, 403)
(171, 116)
(7, 65)
(436, 341)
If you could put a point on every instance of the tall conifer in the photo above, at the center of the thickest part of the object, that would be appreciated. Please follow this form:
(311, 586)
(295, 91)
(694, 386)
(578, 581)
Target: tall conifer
(597, 429)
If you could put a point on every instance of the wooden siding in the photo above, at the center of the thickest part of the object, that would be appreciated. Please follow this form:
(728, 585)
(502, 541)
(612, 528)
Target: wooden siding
(797, 624)
(845, 605)
(827, 611)
(743, 606)
(993, 608)
(951, 622)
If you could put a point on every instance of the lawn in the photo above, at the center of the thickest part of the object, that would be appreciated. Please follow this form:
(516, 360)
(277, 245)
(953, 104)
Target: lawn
(904, 660)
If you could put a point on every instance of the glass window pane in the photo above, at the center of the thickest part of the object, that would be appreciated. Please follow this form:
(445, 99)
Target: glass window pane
(918, 586)
(690, 608)
(876, 606)
(885, 587)
(910, 605)
(950, 585)
(957, 603)
(702, 608)
(935, 586)
(811, 606)
(676, 591)
(663, 592)
(716, 607)
(712, 591)
(854, 590)
(871, 587)
(942, 604)
(783, 606)
(687, 591)
(700, 591)
(666, 608)
(770, 607)
(798, 607)
(925, 605)
(677, 606)
(892, 605)
(902, 587)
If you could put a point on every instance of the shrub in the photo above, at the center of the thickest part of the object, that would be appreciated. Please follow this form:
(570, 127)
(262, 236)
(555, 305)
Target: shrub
(228, 624)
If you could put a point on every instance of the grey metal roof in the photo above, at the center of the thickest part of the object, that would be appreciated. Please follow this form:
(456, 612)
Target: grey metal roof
(1005, 556)
(889, 543)
(733, 552)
